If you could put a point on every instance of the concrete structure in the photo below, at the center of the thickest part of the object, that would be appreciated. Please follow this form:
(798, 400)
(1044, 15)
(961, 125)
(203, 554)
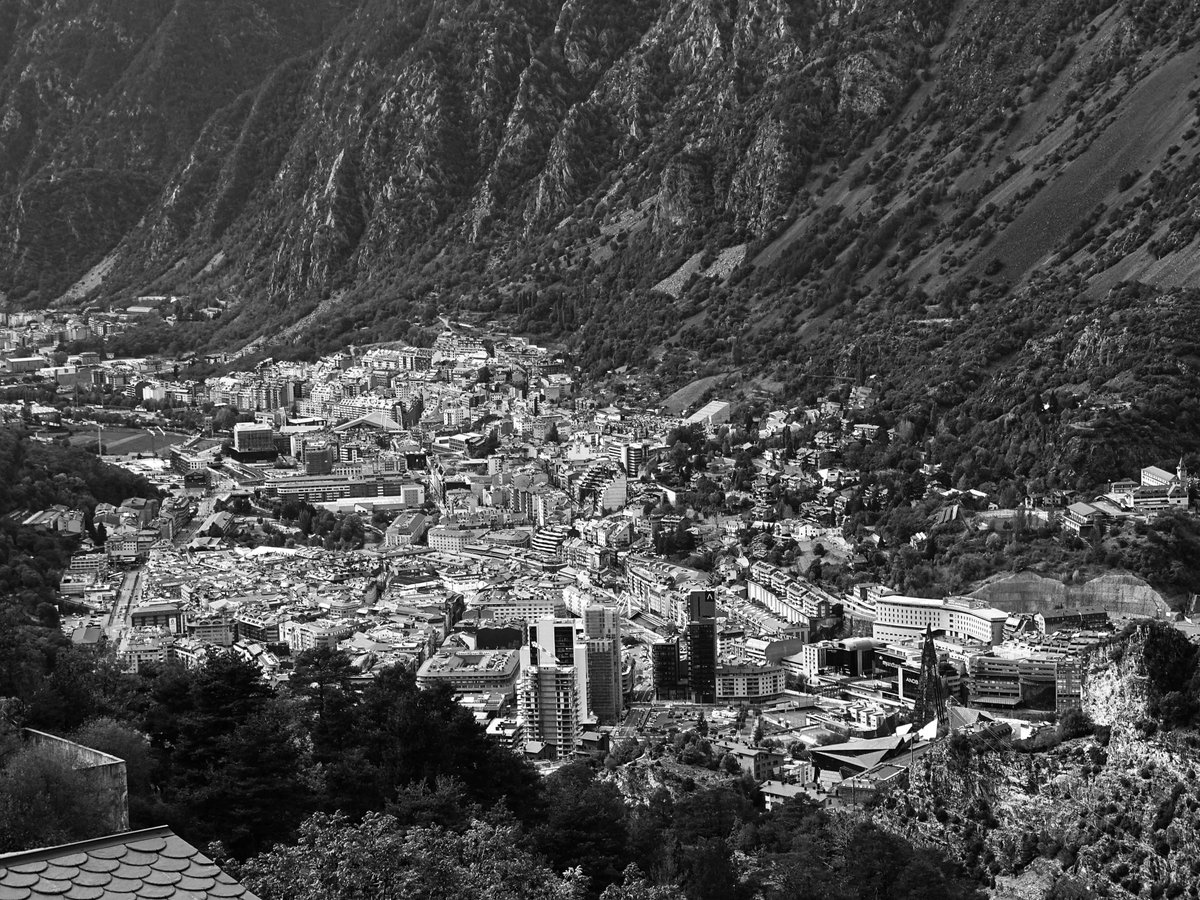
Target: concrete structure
(602, 626)
(472, 671)
(510, 607)
(103, 774)
(406, 529)
(749, 684)
(24, 364)
(162, 615)
(715, 412)
(900, 618)
(253, 440)
(1118, 593)
(324, 488)
(550, 707)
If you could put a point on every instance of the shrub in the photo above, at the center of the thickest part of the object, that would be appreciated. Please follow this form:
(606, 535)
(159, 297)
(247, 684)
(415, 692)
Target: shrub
(1074, 723)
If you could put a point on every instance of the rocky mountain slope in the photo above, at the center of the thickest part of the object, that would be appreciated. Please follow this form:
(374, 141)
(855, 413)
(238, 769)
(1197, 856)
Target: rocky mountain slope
(796, 184)
(1116, 814)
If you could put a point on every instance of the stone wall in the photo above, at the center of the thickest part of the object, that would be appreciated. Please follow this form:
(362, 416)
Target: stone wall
(104, 773)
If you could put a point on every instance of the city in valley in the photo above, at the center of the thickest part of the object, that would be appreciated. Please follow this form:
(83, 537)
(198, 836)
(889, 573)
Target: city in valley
(686, 593)
(581, 450)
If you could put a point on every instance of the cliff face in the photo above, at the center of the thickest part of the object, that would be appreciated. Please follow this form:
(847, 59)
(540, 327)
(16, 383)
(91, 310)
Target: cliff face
(312, 146)
(1111, 817)
(99, 102)
(359, 129)
(1115, 690)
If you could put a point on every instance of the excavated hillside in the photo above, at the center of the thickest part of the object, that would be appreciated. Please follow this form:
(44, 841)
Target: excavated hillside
(1120, 594)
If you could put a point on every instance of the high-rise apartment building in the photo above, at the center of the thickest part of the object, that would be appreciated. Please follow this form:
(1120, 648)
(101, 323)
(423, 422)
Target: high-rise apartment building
(552, 697)
(550, 708)
(602, 626)
(702, 660)
(702, 645)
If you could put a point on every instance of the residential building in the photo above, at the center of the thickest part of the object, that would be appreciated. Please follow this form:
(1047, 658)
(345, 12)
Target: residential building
(759, 762)
(777, 793)
(140, 647)
(450, 538)
(749, 684)
(301, 636)
(507, 732)
(551, 708)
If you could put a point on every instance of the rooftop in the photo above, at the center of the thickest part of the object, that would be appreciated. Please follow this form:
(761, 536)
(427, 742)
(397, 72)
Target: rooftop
(151, 863)
(463, 662)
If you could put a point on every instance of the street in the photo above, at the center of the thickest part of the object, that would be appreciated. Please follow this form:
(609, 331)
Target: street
(127, 596)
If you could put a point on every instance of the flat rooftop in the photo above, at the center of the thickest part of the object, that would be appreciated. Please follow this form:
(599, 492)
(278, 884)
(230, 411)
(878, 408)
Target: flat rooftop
(470, 662)
(984, 612)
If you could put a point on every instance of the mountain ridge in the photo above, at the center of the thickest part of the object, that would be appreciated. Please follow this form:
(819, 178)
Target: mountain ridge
(937, 177)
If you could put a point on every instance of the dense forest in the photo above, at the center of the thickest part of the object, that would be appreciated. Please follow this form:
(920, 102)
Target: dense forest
(38, 475)
(319, 789)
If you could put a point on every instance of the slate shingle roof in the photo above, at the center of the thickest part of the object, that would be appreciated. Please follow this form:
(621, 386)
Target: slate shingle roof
(152, 863)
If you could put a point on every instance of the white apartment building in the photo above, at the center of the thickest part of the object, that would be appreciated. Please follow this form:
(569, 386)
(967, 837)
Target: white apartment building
(550, 708)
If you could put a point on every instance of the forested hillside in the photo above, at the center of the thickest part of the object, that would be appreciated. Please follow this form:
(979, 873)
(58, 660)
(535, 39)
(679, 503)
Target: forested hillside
(990, 205)
(35, 476)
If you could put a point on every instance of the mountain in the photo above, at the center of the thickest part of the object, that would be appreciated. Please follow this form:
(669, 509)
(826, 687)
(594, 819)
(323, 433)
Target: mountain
(988, 205)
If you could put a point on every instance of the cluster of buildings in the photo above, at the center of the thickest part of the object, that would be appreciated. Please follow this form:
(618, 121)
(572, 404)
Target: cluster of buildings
(1156, 491)
(987, 658)
(511, 526)
(28, 338)
(270, 604)
(30, 342)
(450, 384)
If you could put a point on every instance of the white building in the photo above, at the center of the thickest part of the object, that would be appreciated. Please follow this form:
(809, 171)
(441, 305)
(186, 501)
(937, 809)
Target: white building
(714, 413)
(900, 618)
(750, 684)
(550, 707)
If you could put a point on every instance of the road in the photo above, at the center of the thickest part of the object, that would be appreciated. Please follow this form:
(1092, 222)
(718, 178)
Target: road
(127, 596)
(203, 511)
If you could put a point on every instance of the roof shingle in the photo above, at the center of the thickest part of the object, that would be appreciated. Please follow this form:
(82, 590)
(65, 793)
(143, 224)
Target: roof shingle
(153, 863)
